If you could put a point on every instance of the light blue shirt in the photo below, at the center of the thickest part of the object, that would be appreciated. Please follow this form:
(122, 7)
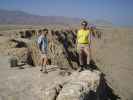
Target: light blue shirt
(43, 43)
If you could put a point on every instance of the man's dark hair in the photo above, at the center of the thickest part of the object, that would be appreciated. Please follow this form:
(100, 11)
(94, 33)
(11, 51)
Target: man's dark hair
(45, 29)
(84, 23)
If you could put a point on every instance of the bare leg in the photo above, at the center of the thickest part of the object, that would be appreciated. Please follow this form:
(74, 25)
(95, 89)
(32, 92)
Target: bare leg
(81, 57)
(45, 63)
(87, 52)
(42, 61)
(81, 60)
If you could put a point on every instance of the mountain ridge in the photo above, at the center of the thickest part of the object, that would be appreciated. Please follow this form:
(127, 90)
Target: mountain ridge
(24, 18)
(21, 17)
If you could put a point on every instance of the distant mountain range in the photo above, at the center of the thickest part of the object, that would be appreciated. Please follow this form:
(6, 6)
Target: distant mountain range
(20, 17)
(23, 18)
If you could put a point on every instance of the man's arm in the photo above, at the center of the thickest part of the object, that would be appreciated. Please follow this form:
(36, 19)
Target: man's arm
(76, 38)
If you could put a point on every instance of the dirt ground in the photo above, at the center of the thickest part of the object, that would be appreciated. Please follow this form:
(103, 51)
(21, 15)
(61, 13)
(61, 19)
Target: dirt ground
(24, 84)
(113, 56)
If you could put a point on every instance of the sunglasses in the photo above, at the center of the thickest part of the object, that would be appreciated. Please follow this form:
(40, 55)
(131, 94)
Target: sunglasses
(84, 24)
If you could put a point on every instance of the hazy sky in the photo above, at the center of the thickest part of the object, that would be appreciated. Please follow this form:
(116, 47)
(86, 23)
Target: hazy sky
(119, 12)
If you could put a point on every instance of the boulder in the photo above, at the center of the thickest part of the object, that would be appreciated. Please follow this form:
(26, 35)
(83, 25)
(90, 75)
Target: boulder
(78, 86)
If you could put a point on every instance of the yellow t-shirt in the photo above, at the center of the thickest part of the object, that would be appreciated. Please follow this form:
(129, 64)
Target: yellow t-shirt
(83, 36)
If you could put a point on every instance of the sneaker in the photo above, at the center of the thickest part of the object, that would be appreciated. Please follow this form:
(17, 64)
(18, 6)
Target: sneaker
(81, 68)
(87, 66)
(45, 72)
(41, 70)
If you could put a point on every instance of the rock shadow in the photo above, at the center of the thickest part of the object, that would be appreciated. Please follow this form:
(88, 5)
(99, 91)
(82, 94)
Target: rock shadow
(105, 92)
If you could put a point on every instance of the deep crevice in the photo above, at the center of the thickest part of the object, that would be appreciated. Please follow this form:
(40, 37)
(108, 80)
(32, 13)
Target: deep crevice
(105, 91)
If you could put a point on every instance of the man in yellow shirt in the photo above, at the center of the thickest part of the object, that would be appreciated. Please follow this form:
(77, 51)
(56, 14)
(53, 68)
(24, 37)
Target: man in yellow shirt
(84, 44)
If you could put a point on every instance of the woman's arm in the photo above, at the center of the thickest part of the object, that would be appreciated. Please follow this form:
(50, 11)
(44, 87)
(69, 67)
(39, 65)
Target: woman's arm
(39, 43)
(90, 45)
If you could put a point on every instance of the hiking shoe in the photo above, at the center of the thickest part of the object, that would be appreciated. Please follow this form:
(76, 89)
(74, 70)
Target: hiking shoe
(41, 70)
(21, 67)
(45, 72)
(81, 69)
(87, 66)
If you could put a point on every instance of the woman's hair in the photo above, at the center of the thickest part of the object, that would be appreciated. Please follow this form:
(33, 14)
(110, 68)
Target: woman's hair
(39, 31)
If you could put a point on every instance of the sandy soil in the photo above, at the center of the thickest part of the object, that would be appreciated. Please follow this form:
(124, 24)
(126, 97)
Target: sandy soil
(112, 53)
(24, 84)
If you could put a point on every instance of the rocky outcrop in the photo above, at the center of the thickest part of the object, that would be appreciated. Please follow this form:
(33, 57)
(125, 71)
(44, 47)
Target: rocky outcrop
(79, 86)
(16, 48)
